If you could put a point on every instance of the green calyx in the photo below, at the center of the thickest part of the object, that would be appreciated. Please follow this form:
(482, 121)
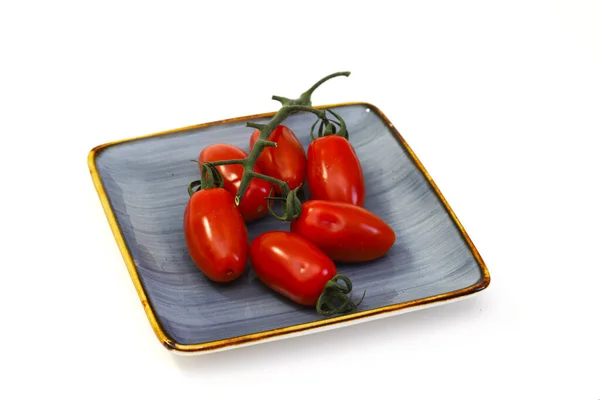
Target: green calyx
(212, 179)
(328, 127)
(335, 300)
(291, 205)
(210, 176)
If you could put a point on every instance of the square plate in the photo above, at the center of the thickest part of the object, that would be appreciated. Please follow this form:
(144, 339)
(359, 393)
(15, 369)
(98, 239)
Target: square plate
(142, 183)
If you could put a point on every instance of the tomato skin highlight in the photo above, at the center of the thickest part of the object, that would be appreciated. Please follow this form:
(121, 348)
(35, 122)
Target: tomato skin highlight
(287, 161)
(254, 204)
(216, 236)
(334, 171)
(344, 232)
(291, 266)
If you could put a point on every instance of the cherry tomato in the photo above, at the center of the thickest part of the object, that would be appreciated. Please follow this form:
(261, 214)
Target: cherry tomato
(291, 266)
(216, 235)
(334, 171)
(287, 161)
(343, 231)
(254, 203)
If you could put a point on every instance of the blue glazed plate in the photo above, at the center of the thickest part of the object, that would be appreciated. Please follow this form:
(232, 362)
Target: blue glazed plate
(142, 184)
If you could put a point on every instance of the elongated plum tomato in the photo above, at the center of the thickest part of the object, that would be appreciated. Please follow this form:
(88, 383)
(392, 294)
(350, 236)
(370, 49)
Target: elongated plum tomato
(334, 171)
(291, 266)
(254, 203)
(215, 234)
(287, 161)
(343, 231)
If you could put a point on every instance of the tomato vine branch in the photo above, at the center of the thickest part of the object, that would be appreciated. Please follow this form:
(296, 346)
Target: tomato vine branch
(289, 198)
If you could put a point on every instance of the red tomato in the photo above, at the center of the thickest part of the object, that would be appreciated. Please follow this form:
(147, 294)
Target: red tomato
(254, 203)
(334, 171)
(343, 231)
(287, 161)
(216, 235)
(291, 266)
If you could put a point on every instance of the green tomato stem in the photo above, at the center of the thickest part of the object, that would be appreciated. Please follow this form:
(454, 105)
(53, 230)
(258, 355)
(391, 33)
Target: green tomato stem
(306, 95)
(225, 162)
(283, 100)
(282, 184)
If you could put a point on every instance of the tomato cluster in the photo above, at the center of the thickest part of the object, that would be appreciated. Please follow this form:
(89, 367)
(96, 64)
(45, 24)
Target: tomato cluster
(332, 226)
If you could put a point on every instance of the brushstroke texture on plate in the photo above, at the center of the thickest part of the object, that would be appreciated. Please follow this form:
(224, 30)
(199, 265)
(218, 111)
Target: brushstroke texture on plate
(142, 183)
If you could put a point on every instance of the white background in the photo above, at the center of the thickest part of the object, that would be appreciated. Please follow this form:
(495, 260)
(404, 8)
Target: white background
(500, 100)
